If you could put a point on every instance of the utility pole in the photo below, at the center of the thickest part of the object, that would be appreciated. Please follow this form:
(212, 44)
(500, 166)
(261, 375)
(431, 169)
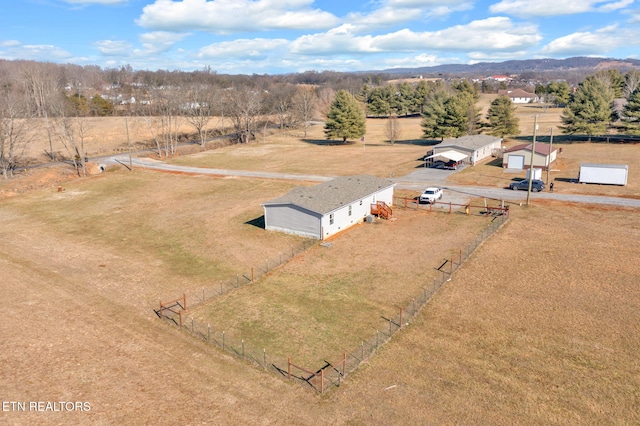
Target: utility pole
(533, 151)
(549, 158)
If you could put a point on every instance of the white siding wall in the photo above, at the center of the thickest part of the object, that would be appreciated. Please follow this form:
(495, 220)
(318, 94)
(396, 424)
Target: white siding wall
(359, 210)
(292, 220)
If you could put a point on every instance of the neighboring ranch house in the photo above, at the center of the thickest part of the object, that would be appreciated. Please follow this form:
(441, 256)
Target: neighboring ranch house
(475, 147)
(519, 96)
(325, 209)
(519, 157)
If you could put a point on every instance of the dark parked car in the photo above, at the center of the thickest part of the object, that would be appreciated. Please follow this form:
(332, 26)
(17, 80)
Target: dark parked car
(536, 185)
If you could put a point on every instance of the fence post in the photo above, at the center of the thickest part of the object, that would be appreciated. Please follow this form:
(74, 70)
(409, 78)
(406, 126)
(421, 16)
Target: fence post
(252, 274)
(344, 364)
(390, 329)
(161, 310)
(264, 357)
(289, 368)
(180, 315)
(449, 207)
(377, 341)
(322, 381)
(192, 329)
(401, 317)
(362, 351)
(184, 299)
(223, 340)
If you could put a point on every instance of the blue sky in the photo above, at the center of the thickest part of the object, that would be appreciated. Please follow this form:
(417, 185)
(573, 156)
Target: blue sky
(283, 36)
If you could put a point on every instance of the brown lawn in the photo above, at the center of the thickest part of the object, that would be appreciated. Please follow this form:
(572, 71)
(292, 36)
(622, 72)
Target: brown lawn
(538, 327)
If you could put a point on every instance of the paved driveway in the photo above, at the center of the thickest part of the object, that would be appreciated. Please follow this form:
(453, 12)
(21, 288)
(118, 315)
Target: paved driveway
(417, 180)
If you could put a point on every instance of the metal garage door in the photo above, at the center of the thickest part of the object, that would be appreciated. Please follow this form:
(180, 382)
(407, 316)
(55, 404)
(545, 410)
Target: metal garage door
(515, 162)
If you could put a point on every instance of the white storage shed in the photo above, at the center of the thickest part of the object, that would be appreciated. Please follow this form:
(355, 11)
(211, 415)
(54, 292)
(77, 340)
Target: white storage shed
(608, 174)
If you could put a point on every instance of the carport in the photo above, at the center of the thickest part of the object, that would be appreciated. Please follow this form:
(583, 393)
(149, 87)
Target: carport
(447, 156)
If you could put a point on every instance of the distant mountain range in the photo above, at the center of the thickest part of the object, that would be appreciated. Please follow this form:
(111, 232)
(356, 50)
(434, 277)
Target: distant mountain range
(580, 63)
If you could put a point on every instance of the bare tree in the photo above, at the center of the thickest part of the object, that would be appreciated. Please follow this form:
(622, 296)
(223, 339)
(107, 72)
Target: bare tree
(198, 109)
(392, 128)
(72, 132)
(243, 107)
(280, 103)
(305, 103)
(15, 121)
(163, 117)
(325, 99)
(631, 83)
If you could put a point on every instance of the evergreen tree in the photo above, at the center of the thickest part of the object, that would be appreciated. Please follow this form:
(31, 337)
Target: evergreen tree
(589, 110)
(631, 114)
(380, 101)
(502, 118)
(422, 90)
(433, 115)
(458, 119)
(447, 115)
(345, 118)
(558, 93)
(101, 107)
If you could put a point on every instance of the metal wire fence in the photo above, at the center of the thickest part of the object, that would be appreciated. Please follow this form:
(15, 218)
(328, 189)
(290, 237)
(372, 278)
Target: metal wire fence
(256, 272)
(331, 374)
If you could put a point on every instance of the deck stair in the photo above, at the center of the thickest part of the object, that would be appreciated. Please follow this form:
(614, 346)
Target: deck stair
(381, 209)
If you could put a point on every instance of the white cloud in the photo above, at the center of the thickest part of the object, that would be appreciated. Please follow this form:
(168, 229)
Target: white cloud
(36, 52)
(114, 48)
(587, 43)
(243, 48)
(336, 41)
(610, 7)
(231, 16)
(528, 8)
(160, 41)
(422, 60)
(492, 34)
(394, 12)
(9, 43)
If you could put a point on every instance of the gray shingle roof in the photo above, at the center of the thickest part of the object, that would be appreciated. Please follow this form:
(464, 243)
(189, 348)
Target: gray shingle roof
(469, 141)
(329, 196)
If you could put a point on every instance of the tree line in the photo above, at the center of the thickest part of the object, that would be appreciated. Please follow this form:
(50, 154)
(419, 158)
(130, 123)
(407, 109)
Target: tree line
(61, 97)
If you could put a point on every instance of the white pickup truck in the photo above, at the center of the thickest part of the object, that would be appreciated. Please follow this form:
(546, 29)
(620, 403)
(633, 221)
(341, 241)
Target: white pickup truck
(431, 195)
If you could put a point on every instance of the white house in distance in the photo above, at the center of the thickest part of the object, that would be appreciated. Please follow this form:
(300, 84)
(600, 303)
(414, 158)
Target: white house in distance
(474, 147)
(325, 209)
(519, 96)
(519, 157)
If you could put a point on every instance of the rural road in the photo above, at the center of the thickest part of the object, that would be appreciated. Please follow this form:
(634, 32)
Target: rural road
(417, 180)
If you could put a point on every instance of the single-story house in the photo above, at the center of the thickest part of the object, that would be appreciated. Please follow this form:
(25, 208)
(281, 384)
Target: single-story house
(519, 96)
(474, 147)
(519, 157)
(325, 209)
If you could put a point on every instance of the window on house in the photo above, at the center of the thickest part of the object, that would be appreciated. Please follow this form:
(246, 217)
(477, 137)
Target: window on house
(331, 219)
(350, 210)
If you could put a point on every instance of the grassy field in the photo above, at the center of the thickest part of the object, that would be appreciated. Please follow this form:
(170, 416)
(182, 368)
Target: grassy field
(538, 327)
